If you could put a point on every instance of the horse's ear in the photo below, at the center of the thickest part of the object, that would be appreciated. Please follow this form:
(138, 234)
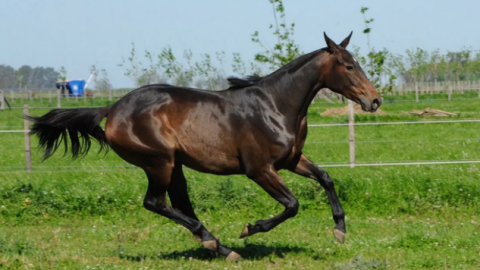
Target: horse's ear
(330, 44)
(345, 42)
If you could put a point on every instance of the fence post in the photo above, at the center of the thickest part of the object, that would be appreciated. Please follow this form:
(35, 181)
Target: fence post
(109, 94)
(59, 98)
(351, 132)
(449, 93)
(28, 157)
(2, 101)
(416, 92)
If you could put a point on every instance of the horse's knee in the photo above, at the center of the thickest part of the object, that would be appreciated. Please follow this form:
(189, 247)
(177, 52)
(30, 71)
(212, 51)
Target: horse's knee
(292, 208)
(325, 180)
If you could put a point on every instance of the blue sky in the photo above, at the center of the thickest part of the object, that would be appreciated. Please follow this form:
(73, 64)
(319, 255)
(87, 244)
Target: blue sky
(78, 34)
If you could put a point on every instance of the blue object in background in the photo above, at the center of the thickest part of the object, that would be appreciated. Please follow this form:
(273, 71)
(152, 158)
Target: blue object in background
(75, 87)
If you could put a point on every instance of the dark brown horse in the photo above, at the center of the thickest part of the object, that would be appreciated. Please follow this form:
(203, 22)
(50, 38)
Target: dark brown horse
(256, 127)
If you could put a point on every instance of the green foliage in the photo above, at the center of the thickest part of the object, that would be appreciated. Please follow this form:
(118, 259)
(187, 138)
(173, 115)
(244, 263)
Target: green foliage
(285, 50)
(361, 264)
(15, 246)
(62, 74)
(167, 68)
(375, 61)
(419, 65)
(227, 191)
(100, 78)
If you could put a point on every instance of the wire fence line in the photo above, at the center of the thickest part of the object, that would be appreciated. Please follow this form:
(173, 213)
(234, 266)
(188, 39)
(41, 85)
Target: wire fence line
(360, 164)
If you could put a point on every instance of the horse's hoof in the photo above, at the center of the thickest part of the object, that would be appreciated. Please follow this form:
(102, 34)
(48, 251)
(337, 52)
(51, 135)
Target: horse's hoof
(339, 235)
(233, 257)
(210, 244)
(245, 231)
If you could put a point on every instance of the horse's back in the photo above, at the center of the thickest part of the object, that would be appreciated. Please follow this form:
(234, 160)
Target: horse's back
(167, 121)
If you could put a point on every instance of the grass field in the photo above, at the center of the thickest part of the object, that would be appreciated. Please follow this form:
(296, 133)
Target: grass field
(80, 215)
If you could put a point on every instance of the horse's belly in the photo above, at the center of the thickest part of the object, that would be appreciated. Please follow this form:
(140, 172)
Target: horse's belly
(210, 161)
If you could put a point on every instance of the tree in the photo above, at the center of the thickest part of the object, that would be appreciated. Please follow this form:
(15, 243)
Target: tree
(102, 83)
(375, 61)
(285, 50)
(7, 77)
(165, 68)
(62, 74)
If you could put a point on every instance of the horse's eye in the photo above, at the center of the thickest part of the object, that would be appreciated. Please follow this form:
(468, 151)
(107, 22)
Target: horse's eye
(350, 67)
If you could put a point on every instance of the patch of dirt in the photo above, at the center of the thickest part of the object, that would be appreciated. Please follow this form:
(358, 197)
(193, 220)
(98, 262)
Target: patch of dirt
(432, 112)
(344, 111)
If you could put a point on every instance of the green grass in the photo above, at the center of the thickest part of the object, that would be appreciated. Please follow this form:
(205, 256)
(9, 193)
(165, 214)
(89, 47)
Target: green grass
(405, 217)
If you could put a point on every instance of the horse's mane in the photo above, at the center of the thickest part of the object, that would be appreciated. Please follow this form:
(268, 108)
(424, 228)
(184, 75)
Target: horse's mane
(237, 83)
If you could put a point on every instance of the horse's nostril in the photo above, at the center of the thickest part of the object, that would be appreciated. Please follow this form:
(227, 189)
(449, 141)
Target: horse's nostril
(375, 104)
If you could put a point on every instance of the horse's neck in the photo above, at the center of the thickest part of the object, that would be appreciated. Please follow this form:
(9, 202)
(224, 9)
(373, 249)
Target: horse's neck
(293, 93)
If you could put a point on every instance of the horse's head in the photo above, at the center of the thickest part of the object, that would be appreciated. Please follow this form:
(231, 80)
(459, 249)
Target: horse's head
(344, 75)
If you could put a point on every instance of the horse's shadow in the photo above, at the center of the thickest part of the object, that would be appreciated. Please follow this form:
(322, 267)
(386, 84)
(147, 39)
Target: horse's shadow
(248, 252)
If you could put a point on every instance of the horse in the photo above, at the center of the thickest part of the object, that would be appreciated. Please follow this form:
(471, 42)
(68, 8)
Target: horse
(256, 127)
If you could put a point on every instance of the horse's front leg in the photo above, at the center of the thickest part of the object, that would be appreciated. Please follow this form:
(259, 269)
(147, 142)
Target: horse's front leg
(307, 168)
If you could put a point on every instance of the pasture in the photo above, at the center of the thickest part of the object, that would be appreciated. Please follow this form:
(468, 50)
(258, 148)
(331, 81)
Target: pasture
(88, 214)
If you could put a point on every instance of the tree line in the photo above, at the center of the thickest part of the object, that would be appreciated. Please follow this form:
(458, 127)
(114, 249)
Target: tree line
(32, 77)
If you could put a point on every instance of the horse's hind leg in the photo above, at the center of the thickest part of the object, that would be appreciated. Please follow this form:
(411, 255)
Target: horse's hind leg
(178, 194)
(159, 179)
(272, 183)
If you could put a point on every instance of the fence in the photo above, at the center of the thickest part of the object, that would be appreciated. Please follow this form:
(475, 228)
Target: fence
(351, 163)
(55, 95)
(447, 88)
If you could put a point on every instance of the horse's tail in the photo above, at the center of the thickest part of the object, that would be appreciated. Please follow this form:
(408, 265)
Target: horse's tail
(80, 124)
(8, 103)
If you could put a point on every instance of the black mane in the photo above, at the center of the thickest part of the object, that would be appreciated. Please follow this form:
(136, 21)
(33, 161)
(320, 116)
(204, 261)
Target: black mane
(237, 83)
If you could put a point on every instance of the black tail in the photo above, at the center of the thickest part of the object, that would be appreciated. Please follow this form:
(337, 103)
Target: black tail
(8, 103)
(80, 124)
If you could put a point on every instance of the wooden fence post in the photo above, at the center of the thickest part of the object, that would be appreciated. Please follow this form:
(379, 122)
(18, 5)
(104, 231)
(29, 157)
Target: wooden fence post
(351, 132)
(2, 100)
(28, 157)
(59, 98)
(416, 92)
(12, 96)
(449, 93)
